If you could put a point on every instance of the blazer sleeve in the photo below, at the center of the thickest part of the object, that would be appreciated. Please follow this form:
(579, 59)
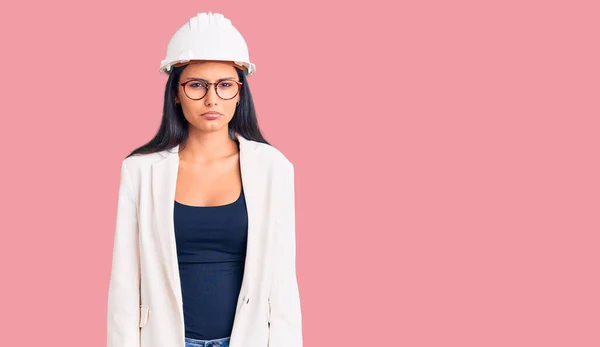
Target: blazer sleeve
(285, 316)
(123, 309)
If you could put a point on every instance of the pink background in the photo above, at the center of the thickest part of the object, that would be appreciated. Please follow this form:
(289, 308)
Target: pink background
(446, 161)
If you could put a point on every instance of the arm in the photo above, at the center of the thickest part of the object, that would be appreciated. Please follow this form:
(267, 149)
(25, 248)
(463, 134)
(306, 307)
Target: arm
(124, 292)
(284, 298)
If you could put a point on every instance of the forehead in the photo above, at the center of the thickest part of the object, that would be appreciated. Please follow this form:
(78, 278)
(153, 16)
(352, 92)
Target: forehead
(209, 70)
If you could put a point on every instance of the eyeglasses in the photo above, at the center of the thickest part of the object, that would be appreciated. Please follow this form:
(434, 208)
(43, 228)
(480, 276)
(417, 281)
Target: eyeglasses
(196, 89)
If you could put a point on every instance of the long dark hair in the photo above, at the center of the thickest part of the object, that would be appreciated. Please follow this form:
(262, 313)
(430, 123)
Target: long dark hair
(173, 128)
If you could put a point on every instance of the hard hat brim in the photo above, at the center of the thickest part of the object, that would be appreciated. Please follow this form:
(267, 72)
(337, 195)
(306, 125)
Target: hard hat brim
(167, 67)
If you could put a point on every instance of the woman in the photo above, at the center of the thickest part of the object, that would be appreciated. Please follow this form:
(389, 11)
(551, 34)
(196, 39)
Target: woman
(204, 248)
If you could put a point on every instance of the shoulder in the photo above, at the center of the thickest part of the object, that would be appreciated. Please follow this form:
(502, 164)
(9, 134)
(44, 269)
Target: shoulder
(272, 157)
(140, 162)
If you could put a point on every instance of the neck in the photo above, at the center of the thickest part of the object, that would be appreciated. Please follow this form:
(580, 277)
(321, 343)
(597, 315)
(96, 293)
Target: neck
(208, 146)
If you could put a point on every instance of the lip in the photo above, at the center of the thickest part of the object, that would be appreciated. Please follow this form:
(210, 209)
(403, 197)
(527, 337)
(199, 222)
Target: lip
(211, 115)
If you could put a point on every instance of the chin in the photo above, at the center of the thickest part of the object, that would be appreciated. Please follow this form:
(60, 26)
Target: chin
(212, 126)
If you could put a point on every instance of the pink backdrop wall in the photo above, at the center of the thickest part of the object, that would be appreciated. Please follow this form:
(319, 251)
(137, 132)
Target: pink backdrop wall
(446, 160)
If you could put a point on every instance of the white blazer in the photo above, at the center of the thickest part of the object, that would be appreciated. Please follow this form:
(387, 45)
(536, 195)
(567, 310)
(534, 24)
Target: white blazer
(144, 296)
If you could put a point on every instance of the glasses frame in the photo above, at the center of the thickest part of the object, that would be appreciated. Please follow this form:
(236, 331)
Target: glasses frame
(214, 84)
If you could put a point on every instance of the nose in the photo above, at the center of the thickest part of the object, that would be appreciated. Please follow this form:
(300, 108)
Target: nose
(211, 96)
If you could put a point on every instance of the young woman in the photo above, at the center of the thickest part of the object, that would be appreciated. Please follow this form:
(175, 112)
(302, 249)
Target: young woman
(204, 249)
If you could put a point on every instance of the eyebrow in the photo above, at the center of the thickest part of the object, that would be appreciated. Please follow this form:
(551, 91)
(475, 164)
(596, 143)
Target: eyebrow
(202, 79)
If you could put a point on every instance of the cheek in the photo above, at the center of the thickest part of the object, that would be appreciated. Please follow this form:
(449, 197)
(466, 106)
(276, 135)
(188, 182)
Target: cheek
(188, 109)
(191, 111)
(230, 109)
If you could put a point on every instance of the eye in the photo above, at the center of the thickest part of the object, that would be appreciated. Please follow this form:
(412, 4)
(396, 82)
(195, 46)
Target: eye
(196, 85)
(226, 85)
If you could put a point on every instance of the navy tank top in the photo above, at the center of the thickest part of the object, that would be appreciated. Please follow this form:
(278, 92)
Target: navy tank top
(211, 249)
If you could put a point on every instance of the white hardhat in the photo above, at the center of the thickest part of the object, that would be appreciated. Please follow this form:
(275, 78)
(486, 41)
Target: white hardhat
(207, 36)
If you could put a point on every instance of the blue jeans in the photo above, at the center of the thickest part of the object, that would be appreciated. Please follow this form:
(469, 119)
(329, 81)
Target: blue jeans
(224, 342)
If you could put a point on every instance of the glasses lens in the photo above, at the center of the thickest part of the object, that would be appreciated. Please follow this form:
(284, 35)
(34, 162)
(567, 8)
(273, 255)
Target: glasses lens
(196, 90)
(227, 89)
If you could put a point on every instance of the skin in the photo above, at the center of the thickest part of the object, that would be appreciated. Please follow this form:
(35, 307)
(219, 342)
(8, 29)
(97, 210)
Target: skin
(209, 169)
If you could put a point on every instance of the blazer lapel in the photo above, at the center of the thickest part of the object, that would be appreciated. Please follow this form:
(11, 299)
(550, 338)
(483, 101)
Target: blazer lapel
(164, 180)
(255, 205)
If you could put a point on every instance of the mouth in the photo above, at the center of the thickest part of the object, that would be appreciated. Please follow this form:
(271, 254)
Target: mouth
(211, 115)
